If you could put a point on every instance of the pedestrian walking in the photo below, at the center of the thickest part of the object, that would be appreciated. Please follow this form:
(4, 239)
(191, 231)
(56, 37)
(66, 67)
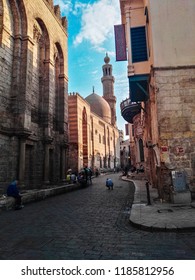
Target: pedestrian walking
(109, 184)
(90, 175)
(86, 173)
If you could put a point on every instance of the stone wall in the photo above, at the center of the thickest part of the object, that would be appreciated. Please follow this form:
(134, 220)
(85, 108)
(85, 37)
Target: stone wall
(176, 118)
(33, 82)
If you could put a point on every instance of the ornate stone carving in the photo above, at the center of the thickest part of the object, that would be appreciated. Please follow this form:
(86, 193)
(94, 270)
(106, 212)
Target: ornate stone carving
(55, 52)
(64, 22)
(36, 32)
(57, 11)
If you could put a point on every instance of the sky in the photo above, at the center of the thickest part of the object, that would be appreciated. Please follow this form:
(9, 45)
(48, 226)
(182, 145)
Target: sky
(90, 37)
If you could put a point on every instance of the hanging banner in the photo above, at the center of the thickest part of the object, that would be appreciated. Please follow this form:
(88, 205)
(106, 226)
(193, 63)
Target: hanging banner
(120, 42)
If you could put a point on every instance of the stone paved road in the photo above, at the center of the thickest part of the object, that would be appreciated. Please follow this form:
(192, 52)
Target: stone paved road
(90, 223)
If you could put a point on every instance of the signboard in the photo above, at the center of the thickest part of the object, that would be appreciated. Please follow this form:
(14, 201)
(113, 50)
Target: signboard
(120, 42)
(164, 154)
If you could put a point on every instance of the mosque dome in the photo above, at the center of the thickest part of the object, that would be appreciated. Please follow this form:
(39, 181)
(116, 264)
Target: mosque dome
(99, 106)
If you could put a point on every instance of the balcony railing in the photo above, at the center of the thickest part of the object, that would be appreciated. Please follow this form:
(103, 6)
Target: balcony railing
(129, 109)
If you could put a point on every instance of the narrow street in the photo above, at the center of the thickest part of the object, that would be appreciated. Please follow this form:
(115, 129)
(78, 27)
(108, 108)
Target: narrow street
(91, 223)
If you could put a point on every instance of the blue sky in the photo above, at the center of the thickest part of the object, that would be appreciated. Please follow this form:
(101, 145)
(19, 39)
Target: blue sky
(90, 36)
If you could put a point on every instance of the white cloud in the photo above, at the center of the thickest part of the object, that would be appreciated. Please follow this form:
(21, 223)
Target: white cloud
(121, 87)
(97, 21)
(83, 61)
(78, 8)
(99, 49)
(94, 72)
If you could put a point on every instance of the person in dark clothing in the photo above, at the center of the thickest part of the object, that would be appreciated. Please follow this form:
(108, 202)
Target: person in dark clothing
(86, 173)
(90, 175)
(96, 172)
(81, 178)
(13, 191)
(133, 169)
(109, 184)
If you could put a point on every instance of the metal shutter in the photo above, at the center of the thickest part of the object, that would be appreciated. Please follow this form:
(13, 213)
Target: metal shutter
(138, 44)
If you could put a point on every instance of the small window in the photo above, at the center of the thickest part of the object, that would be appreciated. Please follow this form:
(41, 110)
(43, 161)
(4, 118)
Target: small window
(99, 138)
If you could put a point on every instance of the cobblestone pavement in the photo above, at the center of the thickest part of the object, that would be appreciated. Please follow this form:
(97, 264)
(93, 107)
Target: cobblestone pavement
(91, 223)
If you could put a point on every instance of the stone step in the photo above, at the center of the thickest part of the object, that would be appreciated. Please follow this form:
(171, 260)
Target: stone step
(7, 202)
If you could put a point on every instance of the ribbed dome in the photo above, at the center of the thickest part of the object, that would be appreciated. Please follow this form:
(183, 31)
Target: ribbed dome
(99, 106)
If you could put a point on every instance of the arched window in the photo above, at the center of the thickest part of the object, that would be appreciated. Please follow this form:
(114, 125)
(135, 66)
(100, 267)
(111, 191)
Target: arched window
(59, 88)
(85, 137)
(40, 75)
(17, 28)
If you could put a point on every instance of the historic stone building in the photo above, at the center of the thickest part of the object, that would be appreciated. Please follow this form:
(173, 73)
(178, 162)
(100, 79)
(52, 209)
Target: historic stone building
(159, 36)
(94, 136)
(125, 155)
(33, 92)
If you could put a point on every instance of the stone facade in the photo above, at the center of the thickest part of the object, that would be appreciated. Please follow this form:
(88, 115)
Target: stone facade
(33, 92)
(164, 128)
(125, 154)
(93, 141)
(175, 103)
(94, 136)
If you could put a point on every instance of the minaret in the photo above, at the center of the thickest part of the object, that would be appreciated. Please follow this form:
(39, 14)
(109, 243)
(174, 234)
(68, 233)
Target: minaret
(108, 88)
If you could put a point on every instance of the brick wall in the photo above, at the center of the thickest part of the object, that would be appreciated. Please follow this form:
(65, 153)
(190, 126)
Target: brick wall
(101, 137)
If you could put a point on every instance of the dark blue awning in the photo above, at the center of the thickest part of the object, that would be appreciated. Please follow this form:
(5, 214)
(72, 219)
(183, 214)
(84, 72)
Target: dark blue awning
(138, 86)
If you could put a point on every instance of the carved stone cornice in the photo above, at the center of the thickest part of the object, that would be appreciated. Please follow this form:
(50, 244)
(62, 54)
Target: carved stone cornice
(47, 140)
(19, 132)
